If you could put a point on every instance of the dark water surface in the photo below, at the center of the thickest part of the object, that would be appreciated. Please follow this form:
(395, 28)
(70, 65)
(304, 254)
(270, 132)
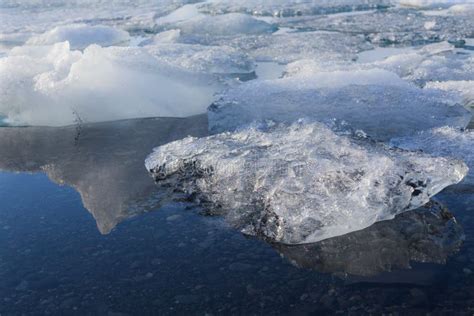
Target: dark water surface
(83, 232)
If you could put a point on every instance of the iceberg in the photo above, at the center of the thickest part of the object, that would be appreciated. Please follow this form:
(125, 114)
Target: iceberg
(80, 36)
(55, 85)
(375, 101)
(300, 183)
(443, 141)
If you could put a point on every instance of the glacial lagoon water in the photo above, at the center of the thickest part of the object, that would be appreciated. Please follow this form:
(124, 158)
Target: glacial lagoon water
(82, 234)
(90, 89)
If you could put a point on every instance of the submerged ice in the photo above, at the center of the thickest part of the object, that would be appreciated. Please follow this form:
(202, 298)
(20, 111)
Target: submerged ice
(300, 183)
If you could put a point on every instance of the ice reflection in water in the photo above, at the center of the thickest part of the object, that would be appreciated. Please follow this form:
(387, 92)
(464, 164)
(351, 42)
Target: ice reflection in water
(104, 163)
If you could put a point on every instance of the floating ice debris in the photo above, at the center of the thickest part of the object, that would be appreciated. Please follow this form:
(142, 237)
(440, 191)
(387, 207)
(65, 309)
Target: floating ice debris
(302, 183)
(54, 85)
(444, 141)
(284, 8)
(375, 101)
(393, 26)
(80, 36)
(288, 47)
(427, 234)
(203, 59)
(432, 4)
(434, 62)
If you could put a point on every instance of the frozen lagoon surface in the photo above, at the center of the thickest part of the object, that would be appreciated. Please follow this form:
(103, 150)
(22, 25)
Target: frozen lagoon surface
(362, 207)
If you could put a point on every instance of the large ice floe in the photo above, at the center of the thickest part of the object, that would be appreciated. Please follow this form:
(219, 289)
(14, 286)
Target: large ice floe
(375, 101)
(300, 183)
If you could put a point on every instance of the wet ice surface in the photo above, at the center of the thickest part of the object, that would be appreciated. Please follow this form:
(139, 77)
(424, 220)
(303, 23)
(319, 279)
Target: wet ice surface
(177, 259)
(85, 230)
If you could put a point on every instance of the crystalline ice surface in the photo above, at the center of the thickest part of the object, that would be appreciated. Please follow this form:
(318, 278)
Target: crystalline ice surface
(444, 141)
(375, 101)
(300, 183)
(80, 36)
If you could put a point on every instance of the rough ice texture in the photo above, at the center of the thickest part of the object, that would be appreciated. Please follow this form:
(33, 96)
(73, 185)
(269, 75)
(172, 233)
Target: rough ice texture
(444, 141)
(427, 234)
(54, 85)
(302, 183)
(80, 36)
(375, 101)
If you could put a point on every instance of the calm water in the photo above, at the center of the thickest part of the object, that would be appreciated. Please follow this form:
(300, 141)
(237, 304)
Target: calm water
(82, 232)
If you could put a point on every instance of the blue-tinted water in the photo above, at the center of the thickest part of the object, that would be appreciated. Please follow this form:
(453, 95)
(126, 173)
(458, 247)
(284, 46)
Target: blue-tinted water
(82, 233)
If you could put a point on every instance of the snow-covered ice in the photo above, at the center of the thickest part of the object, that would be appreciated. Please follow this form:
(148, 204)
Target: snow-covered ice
(300, 183)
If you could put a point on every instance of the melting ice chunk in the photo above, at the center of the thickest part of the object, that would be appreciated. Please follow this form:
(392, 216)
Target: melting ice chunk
(444, 141)
(80, 36)
(302, 183)
(376, 101)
